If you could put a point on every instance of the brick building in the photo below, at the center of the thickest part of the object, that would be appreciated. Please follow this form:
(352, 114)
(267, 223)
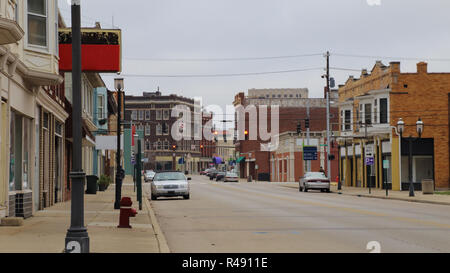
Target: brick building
(152, 113)
(252, 159)
(207, 146)
(370, 108)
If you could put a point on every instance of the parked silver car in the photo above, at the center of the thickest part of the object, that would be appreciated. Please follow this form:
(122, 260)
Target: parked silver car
(168, 184)
(148, 176)
(314, 180)
(231, 177)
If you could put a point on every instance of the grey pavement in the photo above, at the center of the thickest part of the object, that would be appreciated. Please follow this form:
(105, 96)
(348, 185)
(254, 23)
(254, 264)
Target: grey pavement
(270, 217)
(380, 193)
(45, 231)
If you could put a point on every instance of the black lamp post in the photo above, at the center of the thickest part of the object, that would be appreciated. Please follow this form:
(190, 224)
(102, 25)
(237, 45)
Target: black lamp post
(118, 85)
(419, 129)
(77, 239)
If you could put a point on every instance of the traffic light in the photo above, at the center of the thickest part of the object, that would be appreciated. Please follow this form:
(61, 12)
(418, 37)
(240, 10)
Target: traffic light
(306, 123)
(174, 147)
(246, 134)
(224, 137)
(299, 128)
(201, 146)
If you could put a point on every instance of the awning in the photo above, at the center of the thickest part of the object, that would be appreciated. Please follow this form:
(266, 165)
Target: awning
(240, 159)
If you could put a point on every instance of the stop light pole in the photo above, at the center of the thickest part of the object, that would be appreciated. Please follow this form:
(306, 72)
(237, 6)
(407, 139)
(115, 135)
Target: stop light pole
(77, 238)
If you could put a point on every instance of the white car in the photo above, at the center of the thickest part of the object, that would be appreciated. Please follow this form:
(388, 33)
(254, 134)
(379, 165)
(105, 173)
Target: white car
(231, 177)
(314, 180)
(169, 184)
(148, 176)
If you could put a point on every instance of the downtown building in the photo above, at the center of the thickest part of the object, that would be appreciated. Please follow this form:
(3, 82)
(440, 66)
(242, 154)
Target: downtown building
(32, 108)
(151, 113)
(370, 108)
(280, 159)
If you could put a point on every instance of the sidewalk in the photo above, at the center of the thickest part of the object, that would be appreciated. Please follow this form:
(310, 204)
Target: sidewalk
(392, 195)
(45, 232)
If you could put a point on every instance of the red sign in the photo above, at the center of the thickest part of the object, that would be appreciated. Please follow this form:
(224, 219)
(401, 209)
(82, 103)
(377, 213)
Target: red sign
(100, 50)
(133, 131)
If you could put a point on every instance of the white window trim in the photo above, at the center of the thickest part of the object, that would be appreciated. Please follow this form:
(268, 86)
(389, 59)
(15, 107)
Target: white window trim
(39, 48)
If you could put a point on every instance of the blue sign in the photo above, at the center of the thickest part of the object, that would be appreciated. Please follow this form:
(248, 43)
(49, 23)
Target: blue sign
(369, 161)
(309, 153)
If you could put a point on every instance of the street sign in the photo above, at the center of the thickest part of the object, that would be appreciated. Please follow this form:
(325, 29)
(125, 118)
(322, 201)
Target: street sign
(133, 160)
(369, 151)
(369, 161)
(309, 153)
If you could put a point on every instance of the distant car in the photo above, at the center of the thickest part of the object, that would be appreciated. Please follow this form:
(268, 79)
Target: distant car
(203, 172)
(209, 171)
(314, 180)
(212, 174)
(231, 177)
(148, 176)
(168, 184)
(220, 176)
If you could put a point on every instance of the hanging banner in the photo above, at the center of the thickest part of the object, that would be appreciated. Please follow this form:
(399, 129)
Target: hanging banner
(100, 50)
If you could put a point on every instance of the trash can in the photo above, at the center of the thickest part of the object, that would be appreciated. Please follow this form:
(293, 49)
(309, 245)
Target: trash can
(427, 186)
(91, 184)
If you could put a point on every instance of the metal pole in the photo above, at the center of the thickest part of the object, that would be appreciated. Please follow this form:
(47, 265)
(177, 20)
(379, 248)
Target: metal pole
(77, 239)
(328, 116)
(139, 174)
(411, 186)
(119, 172)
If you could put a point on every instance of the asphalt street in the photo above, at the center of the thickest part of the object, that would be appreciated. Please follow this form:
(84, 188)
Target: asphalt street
(270, 217)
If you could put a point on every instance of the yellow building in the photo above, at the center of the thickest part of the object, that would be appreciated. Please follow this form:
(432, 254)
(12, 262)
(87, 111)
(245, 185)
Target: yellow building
(369, 109)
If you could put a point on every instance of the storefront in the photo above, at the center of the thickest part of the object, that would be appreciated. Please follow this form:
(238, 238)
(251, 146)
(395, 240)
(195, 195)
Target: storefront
(20, 157)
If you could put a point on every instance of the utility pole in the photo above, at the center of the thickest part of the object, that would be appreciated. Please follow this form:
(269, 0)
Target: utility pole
(77, 238)
(327, 93)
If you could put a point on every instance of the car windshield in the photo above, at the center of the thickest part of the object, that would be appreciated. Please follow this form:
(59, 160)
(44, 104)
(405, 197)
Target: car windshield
(169, 176)
(232, 174)
(315, 175)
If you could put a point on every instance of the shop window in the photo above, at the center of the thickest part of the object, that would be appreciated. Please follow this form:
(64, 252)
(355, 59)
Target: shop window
(20, 152)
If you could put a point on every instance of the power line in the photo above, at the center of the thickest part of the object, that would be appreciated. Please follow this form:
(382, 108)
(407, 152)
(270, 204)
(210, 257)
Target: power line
(223, 59)
(389, 57)
(217, 75)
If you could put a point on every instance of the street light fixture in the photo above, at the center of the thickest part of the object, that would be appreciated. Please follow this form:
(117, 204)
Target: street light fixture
(118, 85)
(419, 129)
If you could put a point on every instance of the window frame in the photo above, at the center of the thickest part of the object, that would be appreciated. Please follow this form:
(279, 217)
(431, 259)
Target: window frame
(29, 45)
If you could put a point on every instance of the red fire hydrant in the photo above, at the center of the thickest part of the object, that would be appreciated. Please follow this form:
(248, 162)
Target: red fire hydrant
(126, 211)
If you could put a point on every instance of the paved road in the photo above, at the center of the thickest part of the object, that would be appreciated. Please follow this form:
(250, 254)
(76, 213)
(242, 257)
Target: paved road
(270, 217)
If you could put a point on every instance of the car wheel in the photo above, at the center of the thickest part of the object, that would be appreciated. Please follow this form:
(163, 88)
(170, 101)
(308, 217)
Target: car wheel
(154, 197)
(305, 189)
(186, 196)
(327, 190)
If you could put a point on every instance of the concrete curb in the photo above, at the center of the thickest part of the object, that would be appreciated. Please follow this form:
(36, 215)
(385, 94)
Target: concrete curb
(162, 242)
(398, 198)
(384, 197)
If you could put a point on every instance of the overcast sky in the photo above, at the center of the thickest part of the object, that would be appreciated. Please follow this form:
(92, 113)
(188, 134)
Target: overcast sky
(212, 29)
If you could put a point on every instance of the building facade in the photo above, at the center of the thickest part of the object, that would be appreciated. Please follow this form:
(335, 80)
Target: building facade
(152, 113)
(369, 109)
(255, 161)
(28, 63)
